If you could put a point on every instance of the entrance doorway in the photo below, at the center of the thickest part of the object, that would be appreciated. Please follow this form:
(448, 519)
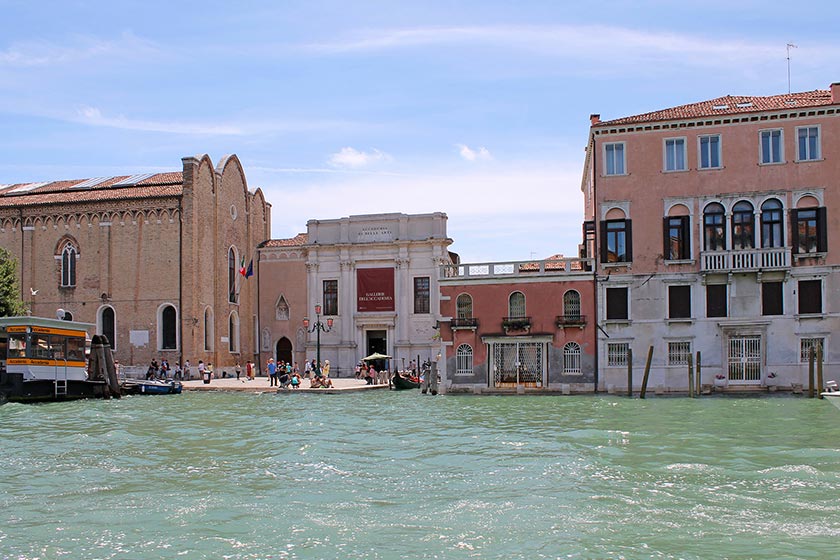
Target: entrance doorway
(377, 341)
(284, 350)
(745, 359)
(518, 363)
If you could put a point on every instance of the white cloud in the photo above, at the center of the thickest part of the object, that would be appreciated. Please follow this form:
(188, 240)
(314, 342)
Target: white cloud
(469, 154)
(94, 117)
(44, 53)
(352, 158)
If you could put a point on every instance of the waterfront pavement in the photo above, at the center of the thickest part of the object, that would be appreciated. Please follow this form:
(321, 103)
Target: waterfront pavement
(261, 385)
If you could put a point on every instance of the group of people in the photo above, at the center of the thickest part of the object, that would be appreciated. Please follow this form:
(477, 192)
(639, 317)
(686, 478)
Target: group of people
(282, 374)
(163, 371)
(369, 373)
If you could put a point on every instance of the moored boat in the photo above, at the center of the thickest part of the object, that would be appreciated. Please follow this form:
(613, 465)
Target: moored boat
(150, 387)
(400, 383)
(831, 393)
(45, 360)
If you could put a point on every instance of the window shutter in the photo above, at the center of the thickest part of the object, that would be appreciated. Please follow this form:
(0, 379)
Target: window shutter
(822, 234)
(666, 237)
(685, 249)
(794, 230)
(628, 229)
(603, 241)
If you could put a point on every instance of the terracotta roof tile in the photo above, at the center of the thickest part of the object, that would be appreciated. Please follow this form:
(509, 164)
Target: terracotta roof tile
(296, 241)
(729, 105)
(100, 189)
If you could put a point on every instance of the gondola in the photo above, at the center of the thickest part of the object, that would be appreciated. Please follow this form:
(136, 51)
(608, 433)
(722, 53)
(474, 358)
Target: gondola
(400, 383)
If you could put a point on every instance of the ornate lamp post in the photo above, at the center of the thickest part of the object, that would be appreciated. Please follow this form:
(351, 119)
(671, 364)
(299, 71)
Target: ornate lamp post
(317, 327)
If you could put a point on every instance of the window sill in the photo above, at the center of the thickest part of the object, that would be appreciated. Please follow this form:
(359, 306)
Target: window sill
(685, 320)
(618, 322)
(617, 264)
(680, 262)
(770, 163)
(606, 176)
(806, 316)
(802, 256)
(808, 160)
(669, 171)
(719, 168)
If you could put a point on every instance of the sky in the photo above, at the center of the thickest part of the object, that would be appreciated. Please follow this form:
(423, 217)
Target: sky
(479, 109)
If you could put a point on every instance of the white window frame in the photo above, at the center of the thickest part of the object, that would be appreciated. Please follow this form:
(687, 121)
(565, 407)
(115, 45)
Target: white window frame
(682, 140)
(609, 160)
(159, 329)
(679, 352)
(69, 261)
(818, 155)
(100, 320)
(617, 354)
(700, 151)
(464, 360)
(770, 131)
(571, 358)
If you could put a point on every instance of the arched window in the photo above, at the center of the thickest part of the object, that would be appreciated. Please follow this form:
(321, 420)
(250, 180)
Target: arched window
(168, 328)
(571, 305)
(464, 360)
(571, 358)
(281, 310)
(714, 227)
(463, 306)
(233, 332)
(771, 224)
(209, 330)
(232, 275)
(743, 226)
(107, 325)
(516, 305)
(68, 266)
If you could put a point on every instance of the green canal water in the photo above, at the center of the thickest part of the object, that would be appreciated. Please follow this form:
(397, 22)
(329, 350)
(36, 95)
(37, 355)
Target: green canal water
(400, 475)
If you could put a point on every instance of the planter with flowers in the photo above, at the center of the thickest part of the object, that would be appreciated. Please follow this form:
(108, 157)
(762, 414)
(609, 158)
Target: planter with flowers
(721, 380)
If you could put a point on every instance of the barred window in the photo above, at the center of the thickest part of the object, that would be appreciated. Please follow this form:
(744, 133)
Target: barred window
(805, 345)
(617, 353)
(464, 306)
(516, 305)
(464, 360)
(678, 353)
(571, 358)
(571, 305)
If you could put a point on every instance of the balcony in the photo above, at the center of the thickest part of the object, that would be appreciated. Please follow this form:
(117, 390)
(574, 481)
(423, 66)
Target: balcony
(565, 321)
(464, 323)
(516, 324)
(514, 269)
(749, 260)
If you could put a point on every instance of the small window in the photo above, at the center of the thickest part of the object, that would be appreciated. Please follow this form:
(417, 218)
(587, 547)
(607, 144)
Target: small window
(168, 328)
(809, 230)
(464, 306)
(772, 302)
(68, 266)
(233, 333)
(232, 271)
(810, 296)
(464, 360)
(808, 146)
(330, 297)
(422, 293)
(571, 358)
(679, 353)
(571, 305)
(516, 305)
(805, 346)
(617, 304)
(614, 158)
(617, 353)
(209, 330)
(716, 300)
(616, 241)
(771, 146)
(679, 302)
(710, 151)
(675, 154)
(677, 240)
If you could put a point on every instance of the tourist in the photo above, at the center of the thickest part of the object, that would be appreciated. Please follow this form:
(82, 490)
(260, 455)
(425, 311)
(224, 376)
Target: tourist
(152, 371)
(271, 369)
(209, 370)
(237, 369)
(326, 369)
(249, 370)
(201, 369)
(187, 371)
(178, 373)
(371, 374)
(295, 380)
(307, 369)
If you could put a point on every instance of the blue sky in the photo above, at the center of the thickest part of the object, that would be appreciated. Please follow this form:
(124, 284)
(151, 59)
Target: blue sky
(478, 109)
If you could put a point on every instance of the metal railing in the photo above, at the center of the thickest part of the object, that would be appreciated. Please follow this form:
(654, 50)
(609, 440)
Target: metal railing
(773, 258)
(570, 320)
(464, 323)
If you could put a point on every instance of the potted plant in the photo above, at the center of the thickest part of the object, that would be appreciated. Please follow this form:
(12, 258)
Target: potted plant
(721, 380)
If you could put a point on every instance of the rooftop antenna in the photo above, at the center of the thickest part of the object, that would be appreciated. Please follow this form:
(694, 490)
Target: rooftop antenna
(789, 46)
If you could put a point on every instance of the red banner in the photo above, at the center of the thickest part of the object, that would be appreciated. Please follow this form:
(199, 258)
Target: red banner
(375, 289)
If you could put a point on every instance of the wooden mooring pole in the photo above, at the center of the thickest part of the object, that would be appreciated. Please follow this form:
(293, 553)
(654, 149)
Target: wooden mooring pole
(647, 372)
(811, 373)
(629, 372)
(690, 376)
(699, 383)
(820, 387)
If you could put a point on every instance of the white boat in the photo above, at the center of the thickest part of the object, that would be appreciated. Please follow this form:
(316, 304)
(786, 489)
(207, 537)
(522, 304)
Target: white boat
(831, 393)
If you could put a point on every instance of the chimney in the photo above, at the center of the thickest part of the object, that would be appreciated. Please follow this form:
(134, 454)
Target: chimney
(835, 93)
(595, 118)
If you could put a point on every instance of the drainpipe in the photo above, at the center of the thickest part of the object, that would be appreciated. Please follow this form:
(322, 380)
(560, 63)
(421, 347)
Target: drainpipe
(596, 227)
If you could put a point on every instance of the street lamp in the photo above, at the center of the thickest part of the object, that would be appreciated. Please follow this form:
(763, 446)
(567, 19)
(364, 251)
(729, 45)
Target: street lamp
(317, 328)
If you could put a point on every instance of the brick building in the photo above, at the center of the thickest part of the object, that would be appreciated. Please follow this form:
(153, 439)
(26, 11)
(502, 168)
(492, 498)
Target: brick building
(715, 229)
(152, 259)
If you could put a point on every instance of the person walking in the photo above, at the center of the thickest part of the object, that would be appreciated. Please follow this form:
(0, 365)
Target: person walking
(238, 370)
(271, 368)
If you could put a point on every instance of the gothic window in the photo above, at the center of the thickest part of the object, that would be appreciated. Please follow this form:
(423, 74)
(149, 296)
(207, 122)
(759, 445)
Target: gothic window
(68, 265)
(281, 310)
(168, 328)
(232, 275)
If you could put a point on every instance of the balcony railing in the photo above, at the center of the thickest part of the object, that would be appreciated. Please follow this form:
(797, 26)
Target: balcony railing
(548, 267)
(774, 258)
(464, 323)
(570, 321)
(516, 323)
